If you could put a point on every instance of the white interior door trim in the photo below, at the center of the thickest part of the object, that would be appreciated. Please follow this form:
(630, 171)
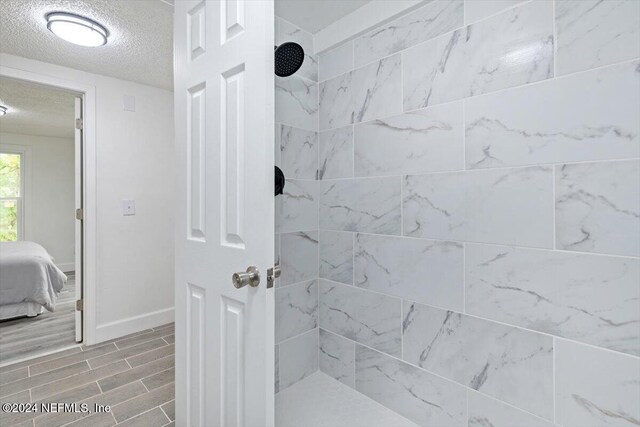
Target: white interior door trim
(89, 186)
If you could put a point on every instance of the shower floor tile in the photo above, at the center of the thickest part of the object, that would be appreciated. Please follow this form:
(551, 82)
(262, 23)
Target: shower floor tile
(321, 401)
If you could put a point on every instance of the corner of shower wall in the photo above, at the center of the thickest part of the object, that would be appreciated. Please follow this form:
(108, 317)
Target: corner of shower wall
(296, 153)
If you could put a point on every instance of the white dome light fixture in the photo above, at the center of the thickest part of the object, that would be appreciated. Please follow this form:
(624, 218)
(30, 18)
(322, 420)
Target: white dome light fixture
(77, 29)
(3, 110)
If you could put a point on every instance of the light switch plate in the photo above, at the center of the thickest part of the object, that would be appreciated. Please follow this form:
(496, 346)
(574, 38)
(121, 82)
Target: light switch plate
(128, 207)
(129, 103)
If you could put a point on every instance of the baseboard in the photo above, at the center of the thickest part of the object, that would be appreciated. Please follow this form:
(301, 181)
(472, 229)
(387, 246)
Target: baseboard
(67, 267)
(130, 325)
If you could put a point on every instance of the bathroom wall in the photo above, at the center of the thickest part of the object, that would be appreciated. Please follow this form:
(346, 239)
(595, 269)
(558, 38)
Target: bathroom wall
(296, 292)
(479, 213)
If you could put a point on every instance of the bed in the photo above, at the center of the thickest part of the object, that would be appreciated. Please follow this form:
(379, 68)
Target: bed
(29, 280)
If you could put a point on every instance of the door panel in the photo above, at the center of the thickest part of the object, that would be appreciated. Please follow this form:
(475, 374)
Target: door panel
(225, 218)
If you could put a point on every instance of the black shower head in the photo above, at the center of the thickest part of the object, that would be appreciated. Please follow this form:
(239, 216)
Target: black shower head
(289, 58)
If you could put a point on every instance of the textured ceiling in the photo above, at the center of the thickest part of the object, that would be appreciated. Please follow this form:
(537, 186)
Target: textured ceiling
(139, 48)
(314, 15)
(33, 109)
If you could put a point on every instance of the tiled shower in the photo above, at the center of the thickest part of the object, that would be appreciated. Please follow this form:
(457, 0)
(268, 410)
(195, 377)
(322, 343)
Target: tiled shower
(460, 230)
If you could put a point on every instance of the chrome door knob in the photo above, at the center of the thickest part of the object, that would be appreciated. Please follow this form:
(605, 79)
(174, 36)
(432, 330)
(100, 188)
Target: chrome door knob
(251, 277)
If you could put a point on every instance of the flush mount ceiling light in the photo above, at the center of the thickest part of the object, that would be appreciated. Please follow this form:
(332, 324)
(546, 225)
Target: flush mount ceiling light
(77, 29)
(3, 110)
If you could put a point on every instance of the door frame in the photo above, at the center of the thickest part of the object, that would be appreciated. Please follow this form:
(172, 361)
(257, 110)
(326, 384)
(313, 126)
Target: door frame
(89, 195)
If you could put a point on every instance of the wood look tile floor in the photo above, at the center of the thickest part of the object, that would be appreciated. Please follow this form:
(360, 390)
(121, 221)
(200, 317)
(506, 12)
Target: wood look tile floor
(25, 336)
(133, 375)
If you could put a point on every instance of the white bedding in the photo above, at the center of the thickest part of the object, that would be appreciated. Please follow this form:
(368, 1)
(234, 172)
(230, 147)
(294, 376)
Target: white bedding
(28, 274)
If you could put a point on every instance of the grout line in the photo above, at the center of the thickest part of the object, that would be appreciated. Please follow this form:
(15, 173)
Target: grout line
(563, 251)
(474, 316)
(553, 207)
(522, 3)
(165, 414)
(555, 37)
(401, 328)
(480, 170)
(464, 278)
(296, 336)
(466, 395)
(553, 377)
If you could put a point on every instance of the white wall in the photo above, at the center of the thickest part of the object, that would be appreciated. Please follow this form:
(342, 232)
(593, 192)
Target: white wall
(135, 151)
(50, 198)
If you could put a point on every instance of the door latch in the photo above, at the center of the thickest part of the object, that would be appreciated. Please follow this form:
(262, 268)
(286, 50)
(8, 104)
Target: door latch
(272, 275)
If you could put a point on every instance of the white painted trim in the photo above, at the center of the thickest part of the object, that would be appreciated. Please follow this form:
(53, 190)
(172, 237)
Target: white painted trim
(88, 91)
(66, 267)
(360, 21)
(130, 325)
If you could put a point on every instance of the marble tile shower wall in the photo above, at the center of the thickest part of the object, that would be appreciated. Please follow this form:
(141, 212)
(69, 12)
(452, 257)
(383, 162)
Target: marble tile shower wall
(296, 292)
(479, 213)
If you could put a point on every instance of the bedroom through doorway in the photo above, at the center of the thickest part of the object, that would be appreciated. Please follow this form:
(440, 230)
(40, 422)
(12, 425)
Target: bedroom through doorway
(41, 195)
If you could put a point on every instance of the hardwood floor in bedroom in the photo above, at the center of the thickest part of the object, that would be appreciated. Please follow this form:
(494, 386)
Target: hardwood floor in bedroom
(49, 331)
(133, 375)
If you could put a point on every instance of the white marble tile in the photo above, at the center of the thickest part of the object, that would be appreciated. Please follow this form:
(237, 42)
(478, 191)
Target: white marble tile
(337, 357)
(296, 309)
(593, 33)
(509, 49)
(587, 298)
(364, 94)
(598, 207)
(508, 206)
(287, 32)
(427, 271)
(370, 205)
(276, 145)
(421, 141)
(336, 61)
(336, 102)
(475, 10)
(336, 256)
(487, 412)
(298, 153)
(336, 153)
(297, 208)
(298, 358)
(422, 24)
(557, 120)
(299, 254)
(366, 317)
(377, 89)
(418, 395)
(277, 369)
(296, 102)
(511, 364)
(596, 387)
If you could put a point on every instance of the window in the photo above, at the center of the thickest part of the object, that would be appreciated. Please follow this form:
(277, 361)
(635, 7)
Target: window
(11, 197)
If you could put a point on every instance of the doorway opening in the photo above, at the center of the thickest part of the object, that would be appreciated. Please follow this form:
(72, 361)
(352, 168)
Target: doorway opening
(41, 219)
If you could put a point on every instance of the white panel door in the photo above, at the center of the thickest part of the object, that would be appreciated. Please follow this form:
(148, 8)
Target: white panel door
(224, 112)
